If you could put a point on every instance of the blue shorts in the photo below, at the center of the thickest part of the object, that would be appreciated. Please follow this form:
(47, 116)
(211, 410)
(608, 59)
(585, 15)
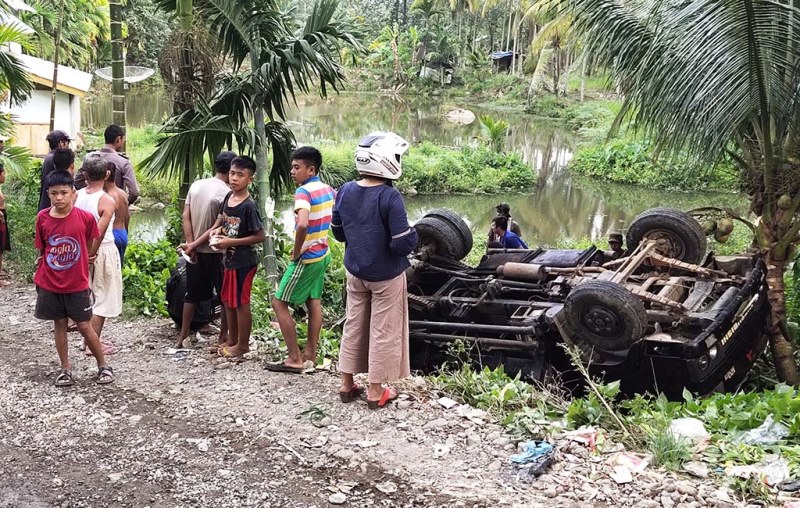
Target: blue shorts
(121, 241)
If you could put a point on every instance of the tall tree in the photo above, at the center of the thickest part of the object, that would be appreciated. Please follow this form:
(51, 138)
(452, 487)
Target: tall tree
(84, 33)
(283, 58)
(710, 78)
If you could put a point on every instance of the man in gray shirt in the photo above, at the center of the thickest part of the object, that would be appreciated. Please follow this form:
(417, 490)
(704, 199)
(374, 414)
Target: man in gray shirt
(124, 177)
(204, 273)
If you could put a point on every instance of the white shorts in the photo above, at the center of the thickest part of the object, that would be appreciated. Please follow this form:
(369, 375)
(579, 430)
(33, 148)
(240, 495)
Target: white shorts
(105, 281)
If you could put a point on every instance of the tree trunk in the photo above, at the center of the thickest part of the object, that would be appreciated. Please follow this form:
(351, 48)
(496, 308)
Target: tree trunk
(184, 96)
(265, 201)
(583, 77)
(117, 64)
(780, 345)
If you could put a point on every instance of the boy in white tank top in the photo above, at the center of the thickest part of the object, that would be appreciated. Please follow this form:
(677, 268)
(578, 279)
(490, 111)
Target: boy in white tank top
(105, 271)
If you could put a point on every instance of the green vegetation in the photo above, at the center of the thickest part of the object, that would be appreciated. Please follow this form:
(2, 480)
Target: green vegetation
(431, 169)
(144, 277)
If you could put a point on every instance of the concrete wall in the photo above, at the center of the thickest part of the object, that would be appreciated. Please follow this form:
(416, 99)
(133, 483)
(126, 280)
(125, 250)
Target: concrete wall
(32, 119)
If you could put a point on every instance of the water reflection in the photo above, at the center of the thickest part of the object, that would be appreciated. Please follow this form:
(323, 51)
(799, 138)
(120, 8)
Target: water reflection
(558, 207)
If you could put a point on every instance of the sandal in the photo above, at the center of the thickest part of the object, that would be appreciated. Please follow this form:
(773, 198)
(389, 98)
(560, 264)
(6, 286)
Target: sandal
(282, 367)
(105, 375)
(108, 349)
(64, 378)
(388, 396)
(351, 394)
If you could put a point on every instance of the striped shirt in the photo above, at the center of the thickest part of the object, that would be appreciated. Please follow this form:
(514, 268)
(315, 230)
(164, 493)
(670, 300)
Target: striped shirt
(317, 198)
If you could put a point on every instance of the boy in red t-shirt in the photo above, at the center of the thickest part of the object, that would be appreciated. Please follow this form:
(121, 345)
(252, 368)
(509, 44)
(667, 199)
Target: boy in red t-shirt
(63, 236)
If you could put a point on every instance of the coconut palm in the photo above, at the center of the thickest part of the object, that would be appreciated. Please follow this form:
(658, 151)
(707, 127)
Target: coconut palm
(84, 32)
(283, 59)
(710, 78)
(493, 132)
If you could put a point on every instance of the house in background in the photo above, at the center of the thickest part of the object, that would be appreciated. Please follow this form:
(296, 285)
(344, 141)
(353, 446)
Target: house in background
(32, 119)
(501, 60)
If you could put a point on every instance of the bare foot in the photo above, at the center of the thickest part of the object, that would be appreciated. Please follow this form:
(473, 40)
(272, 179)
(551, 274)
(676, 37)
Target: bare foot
(234, 351)
(312, 356)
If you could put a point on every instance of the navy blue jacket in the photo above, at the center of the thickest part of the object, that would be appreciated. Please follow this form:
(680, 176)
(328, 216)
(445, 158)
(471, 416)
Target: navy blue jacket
(372, 223)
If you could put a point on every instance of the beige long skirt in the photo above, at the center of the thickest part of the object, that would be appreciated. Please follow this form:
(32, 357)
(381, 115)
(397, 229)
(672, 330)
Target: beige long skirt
(375, 338)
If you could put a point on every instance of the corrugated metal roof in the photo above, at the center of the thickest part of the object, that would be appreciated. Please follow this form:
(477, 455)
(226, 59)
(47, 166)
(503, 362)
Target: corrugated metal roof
(497, 55)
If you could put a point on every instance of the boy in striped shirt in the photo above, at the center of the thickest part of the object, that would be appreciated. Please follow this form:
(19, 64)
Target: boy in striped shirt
(304, 278)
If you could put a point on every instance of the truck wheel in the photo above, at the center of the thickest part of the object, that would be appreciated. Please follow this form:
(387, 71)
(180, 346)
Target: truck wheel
(441, 237)
(457, 223)
(604, 315)
(678, 234)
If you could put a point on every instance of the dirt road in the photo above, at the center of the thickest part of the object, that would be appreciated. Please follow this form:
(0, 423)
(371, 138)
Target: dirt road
(189, 429)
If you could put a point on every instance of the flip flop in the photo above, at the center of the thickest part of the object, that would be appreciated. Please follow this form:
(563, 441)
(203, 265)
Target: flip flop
(64, 378)
(351, 394)
(108, 349)
(388, 395)
(282, 367)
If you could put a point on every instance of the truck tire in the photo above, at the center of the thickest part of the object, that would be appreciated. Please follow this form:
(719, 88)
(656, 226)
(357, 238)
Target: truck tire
(441, 237)
(604, 315)
(678, 234)
(457, 223)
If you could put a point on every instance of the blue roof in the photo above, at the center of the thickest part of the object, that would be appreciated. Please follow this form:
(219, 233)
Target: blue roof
(497, 55)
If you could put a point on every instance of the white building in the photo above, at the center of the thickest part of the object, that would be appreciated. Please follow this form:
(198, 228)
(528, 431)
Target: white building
(32, 119)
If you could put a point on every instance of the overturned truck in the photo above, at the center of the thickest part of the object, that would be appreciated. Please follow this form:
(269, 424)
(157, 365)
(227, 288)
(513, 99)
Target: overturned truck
(662, 317)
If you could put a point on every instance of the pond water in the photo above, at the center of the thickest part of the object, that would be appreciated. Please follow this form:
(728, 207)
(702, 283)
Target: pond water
(559, 207)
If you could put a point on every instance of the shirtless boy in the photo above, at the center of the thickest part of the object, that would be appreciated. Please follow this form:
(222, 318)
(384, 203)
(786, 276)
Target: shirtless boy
(122, 215)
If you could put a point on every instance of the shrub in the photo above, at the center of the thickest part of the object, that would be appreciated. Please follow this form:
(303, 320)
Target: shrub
(145, 274)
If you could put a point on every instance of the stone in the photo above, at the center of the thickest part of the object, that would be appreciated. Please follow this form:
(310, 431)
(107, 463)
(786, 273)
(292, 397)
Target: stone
(686, 488)
(344, 454)
(387, 487)
(436, 424)
(337, 498)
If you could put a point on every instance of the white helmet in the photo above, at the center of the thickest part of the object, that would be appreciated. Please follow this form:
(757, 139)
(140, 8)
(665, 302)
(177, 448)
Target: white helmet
(379, 153)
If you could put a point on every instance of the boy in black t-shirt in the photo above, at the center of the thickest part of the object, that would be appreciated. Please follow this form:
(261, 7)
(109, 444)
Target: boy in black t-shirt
(237, 229)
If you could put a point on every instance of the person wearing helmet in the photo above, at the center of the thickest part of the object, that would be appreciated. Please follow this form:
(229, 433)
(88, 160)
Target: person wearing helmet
(369, 216)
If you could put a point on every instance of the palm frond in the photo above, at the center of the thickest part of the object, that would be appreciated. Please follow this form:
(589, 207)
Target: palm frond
(13, 75)
(688, 69)
(17, 160)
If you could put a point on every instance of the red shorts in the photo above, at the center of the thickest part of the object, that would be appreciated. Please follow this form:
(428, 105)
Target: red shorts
(236, 286)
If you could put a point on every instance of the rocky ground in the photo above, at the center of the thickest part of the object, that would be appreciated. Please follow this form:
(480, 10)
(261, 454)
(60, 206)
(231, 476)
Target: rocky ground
(190, 429)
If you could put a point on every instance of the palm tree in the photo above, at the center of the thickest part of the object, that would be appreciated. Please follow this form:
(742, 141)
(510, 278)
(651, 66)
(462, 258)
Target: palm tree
(710, 78)
(283, 58)
(494, 132)
(14, 80)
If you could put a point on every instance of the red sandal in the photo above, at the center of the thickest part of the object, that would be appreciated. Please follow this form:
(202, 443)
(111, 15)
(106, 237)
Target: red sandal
(388, 396)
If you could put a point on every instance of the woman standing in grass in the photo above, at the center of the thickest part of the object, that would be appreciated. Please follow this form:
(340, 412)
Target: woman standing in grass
(370, 217)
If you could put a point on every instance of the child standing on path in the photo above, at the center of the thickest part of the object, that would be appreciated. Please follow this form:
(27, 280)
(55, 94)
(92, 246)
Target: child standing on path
(236, 230)
(63, 235)
(303, 281)
(5, 238)
(106, 272)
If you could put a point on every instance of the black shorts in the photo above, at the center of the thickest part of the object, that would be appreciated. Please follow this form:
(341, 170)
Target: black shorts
(52, 306)
(203, 277)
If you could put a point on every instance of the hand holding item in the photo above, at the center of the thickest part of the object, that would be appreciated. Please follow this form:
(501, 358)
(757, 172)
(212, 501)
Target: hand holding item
(213, 242)
(221, 243)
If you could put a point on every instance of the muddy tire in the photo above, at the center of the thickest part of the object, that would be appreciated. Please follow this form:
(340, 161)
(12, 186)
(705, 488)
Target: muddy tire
(678, 235)
(441, 237)
(605, 316)
(457, 223)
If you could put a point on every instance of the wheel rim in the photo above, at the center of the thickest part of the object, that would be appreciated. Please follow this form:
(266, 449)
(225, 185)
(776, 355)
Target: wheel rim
(667, 243)
(602, 321)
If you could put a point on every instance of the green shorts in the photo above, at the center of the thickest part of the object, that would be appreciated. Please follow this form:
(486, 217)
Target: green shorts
(301, 282)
